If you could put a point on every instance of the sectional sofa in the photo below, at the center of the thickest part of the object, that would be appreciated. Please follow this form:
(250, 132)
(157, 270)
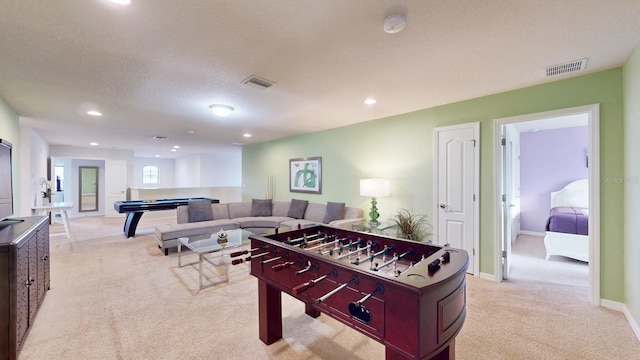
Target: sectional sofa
(257, 216)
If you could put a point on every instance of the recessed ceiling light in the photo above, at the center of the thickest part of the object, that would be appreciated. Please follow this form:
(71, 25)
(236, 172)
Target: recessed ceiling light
(221, 110)
(247, 135)
(94, 113)
(176, 146)
(121, 2)
(93, 144)
(174, 150)
(370, 101)
(191, 132)
(157, 155)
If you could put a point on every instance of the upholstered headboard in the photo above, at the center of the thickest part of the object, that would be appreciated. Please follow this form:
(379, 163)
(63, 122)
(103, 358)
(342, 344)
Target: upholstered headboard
(574, 194)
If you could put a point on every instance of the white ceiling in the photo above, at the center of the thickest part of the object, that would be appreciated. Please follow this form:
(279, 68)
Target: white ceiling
(154, 67)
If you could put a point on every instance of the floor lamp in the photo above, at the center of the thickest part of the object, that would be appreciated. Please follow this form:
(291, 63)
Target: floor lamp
(374, 188)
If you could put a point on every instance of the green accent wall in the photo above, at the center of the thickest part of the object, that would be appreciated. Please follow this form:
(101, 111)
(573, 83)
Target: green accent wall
(400, 148)
(632, 184)
(10, 131)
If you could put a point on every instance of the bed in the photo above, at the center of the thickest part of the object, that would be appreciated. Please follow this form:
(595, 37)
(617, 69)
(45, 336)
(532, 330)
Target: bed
(567, 228)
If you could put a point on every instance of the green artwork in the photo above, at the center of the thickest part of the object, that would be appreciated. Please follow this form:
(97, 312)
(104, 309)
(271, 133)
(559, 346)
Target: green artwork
(305, 175)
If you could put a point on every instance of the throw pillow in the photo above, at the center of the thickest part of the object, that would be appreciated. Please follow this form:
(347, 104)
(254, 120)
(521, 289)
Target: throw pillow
(297, 208)
(335, 211)
(200, 210)
(261, 207)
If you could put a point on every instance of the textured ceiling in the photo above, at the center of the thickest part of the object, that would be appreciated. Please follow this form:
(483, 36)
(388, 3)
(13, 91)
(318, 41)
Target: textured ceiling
(154, 67)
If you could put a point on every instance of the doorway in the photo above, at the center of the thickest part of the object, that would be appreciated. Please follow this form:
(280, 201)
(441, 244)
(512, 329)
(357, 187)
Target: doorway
(505, 191)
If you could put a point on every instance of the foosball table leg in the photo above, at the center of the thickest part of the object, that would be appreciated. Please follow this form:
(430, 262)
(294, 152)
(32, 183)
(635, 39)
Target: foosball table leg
(269, 313)
(311, 311)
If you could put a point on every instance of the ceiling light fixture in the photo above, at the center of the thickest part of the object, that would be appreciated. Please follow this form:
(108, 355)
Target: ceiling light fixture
(94, 144)
(221, 110)
(121, 2)
(370, 101)
(94, 113)
(394, 23)
(247, 135)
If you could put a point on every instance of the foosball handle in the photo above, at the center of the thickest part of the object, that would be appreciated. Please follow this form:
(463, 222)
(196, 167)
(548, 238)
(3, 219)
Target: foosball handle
(237, 261)
(302, 287)
(238, 253)
(433, 266)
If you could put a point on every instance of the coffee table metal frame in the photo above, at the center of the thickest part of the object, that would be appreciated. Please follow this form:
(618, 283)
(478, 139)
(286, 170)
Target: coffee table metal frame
(206, 244)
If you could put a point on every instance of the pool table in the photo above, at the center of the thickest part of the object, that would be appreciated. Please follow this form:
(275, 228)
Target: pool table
(135, 209)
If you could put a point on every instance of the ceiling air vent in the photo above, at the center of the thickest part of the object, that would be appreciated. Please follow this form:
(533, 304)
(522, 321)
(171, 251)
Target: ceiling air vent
(569, 67)
(159, 137)
(258, 82)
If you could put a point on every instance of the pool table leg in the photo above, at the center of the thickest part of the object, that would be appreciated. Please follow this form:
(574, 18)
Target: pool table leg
(131, 223)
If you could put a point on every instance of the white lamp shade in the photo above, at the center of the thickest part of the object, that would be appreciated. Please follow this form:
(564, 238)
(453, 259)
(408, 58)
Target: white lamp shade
(374, 187)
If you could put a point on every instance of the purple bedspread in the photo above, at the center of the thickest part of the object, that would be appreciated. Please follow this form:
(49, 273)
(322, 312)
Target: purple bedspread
(568, 220)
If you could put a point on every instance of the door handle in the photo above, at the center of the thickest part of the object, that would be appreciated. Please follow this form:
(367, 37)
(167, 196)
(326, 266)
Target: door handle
(443, 206)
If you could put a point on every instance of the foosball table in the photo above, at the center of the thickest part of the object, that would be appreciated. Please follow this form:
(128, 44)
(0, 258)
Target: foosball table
(407, 295)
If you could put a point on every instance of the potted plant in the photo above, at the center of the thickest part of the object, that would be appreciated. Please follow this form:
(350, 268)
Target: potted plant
(411, 226)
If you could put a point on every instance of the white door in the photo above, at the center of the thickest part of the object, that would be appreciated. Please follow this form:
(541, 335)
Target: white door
(456, 192)
(506, 208)
(115, 185)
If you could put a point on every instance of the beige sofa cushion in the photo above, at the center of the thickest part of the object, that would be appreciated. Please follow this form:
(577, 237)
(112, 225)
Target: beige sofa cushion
(239, 209)
(220, 211)
(315, 212)
(280, 208)
(174, 231)
(261, 221)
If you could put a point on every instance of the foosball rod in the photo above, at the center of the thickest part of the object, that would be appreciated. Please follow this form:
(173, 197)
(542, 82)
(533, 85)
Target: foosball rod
(394, 259)
(304, 237)
(353, 252)
(354, 280)
(248, 258)
(243, 252)
(325, 244)
(309, 242)
(309, 284)
(378, 290)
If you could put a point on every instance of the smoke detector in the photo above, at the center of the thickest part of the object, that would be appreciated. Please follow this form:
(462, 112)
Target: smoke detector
(394, 23)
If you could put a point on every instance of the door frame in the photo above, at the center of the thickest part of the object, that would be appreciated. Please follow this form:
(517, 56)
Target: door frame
(476, 188)
(593, 123)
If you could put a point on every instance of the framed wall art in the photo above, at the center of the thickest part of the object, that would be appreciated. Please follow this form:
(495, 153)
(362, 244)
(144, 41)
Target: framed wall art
(305, 175)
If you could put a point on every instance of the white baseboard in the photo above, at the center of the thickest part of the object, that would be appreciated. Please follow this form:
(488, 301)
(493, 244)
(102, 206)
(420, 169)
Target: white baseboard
(614, 305)
(532, 233)
(486, 276)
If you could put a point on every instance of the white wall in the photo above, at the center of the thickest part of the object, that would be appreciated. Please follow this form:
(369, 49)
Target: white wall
(210, 170)
(33, 157)
(222, 169)
(187, 170)
(166, 172)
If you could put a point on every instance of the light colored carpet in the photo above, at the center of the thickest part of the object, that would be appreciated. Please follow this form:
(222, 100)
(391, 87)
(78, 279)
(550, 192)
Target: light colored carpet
(528, 264)
(118, 298)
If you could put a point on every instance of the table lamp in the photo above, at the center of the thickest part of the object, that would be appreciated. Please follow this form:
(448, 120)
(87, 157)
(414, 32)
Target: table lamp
(374, 188)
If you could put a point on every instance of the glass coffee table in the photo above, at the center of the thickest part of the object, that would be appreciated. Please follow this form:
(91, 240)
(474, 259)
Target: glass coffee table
(207, 244)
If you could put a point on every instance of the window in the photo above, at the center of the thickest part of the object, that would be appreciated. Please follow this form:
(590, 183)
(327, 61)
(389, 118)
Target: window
(150, 174)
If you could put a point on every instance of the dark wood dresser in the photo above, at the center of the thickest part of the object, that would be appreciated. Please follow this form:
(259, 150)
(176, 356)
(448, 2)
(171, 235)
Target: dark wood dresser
(24, 279)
